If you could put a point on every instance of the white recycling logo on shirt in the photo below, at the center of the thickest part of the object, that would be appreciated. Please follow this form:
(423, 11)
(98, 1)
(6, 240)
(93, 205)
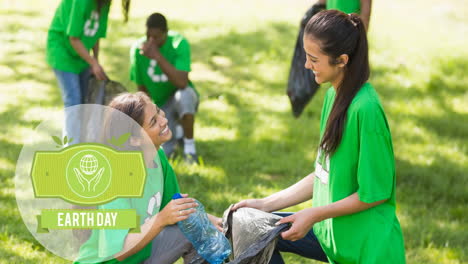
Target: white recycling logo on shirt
(156, 77)
(154, 202)
(322, 166)
(92, 25)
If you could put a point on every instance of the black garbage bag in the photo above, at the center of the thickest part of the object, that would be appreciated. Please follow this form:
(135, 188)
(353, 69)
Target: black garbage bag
(253, 235)
(101, 93)
(301, 83)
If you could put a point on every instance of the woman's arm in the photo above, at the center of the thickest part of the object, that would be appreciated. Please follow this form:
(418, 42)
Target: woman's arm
(216, 221)
(303, 220)
(346, 206)
(175, 211)
(92, 61)
(295, 194)
(96, 50)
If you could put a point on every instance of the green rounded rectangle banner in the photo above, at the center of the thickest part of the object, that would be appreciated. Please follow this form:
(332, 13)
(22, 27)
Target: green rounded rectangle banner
(88, 174)
(88, 219)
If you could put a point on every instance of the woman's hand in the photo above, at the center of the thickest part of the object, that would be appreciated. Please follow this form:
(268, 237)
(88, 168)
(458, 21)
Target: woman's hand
(96, 68)
(301, 221)
(98, 71)
(217, 222)
(177, 210)
(252, 203)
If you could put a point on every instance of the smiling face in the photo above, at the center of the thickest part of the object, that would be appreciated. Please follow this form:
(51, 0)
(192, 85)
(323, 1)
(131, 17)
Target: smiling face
(155, 125)
(319, 63)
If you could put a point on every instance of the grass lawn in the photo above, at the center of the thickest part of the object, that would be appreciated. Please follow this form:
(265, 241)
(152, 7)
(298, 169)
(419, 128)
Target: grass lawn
(250, 143)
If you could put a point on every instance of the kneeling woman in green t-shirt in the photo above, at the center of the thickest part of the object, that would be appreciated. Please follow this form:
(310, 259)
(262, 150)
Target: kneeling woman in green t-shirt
(352, 218)
(159, 241)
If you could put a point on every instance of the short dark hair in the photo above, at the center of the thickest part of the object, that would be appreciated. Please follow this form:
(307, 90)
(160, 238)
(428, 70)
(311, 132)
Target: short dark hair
(157, 20)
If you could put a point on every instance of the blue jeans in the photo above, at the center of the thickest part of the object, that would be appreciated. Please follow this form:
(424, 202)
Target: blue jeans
(74, 88)
(307, 247)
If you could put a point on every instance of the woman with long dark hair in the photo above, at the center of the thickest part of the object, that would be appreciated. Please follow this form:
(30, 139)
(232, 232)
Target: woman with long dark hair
(159, 239)
(352, 218)
(75, 30)
(148, 128)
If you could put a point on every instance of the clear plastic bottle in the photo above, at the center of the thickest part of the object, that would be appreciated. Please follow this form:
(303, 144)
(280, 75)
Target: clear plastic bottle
(210, 244)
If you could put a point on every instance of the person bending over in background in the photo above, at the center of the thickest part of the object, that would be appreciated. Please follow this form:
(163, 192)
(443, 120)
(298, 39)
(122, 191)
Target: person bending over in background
(76, 28)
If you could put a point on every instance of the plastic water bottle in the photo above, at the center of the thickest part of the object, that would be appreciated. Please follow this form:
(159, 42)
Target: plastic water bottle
(210, 244)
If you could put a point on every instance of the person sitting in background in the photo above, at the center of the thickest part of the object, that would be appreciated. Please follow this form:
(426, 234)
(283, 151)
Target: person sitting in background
(160, 65)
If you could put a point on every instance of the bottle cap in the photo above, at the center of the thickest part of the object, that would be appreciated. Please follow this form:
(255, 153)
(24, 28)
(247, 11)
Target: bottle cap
(177, 196)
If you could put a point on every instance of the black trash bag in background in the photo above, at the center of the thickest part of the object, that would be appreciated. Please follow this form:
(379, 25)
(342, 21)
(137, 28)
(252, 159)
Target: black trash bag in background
(253, 235)
(101, 93)
(301, 82)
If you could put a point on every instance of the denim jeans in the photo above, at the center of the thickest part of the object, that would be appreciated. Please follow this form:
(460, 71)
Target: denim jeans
(307, 247)
(74, 88)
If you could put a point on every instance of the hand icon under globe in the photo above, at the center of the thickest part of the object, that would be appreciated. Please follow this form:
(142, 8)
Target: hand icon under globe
(88, 165)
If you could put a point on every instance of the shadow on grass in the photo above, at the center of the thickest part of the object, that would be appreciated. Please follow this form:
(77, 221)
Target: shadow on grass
(432, 196)
(14, 258)
(434, 202)
(11, 257)
(447, 80)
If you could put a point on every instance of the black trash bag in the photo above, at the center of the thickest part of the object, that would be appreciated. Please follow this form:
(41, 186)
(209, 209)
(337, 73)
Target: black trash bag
(101, 93)
(301, 82)
(253, 235)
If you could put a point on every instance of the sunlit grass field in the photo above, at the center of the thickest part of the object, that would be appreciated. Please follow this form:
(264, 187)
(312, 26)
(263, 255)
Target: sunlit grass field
(249, 141)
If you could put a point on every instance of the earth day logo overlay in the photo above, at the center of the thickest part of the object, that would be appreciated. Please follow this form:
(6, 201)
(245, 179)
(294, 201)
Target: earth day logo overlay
(87, 173)
(67, 188)
(94, 174)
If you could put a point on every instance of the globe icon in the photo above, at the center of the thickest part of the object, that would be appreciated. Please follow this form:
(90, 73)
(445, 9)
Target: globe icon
(88, 164)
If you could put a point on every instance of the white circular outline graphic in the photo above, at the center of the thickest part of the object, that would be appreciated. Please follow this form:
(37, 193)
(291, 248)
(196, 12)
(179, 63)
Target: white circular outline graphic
(71, 188)
(63, 243)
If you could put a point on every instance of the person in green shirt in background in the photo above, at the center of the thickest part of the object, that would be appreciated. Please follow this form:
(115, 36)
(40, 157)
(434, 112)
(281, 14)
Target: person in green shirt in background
(361, 7)
(300, 87)
(75, 30)
(160, 240)
(160, 66)
(353, 215)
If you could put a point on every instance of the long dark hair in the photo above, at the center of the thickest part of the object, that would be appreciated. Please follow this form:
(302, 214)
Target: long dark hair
(338, 33)
(125, 7)
(131, 104)
(115, 123)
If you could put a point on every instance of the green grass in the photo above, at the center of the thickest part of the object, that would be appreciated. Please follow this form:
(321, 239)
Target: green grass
(250, 143)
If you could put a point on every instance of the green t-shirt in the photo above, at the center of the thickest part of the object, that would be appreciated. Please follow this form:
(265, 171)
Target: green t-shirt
(145, 71)
(362, 163)
(346, 6)
(109, 242)
(74, 18)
